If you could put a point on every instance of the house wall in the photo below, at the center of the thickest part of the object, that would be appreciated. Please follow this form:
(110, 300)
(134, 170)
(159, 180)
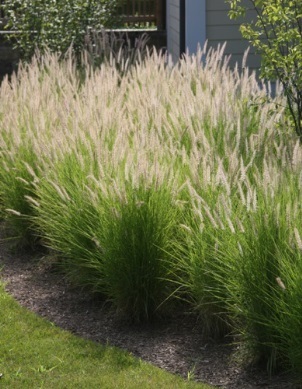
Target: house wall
(220, 28)
(173, 28)
(208, 20)
(195, 24)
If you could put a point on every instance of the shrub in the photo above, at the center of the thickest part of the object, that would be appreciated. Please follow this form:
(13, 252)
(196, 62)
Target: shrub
(276, 33)
(56, 25)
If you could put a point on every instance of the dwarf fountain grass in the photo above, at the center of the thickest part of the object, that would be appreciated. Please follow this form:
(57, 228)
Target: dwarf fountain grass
(65, 215)
(237, 249)
(111, 238)
(19, 168)
(201, 282)
(138, 234)
(266, 261)
(290, 319)
(259, 267)
(160, 181)
(202, 271)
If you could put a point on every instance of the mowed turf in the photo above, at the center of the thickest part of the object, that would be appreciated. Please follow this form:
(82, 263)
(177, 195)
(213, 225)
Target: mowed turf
(37, 354)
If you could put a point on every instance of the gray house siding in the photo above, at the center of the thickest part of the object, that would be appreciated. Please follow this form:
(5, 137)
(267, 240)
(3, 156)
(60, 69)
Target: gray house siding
(195, 24)
(220, 28)
(173, 28)
(208, 20)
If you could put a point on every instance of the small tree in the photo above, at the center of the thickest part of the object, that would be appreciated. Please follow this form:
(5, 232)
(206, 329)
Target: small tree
(276, 33)
(56, 24)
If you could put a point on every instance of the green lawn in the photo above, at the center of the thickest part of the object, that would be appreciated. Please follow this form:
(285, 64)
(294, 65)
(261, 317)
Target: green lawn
(37, 354)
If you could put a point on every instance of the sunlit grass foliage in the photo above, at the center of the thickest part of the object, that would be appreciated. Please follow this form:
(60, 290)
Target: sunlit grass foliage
(166, 185)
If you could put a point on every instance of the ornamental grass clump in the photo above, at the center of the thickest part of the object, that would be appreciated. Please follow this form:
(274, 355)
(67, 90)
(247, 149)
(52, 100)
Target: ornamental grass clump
(138, 235)
(240, 267)
(204, 273)
(267, 271)
(20, 169)
(111, 238)
(29, 137)
(164, 185)
(67, 220)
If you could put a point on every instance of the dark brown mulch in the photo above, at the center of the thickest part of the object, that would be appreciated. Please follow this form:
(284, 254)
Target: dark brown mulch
(175, 345)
